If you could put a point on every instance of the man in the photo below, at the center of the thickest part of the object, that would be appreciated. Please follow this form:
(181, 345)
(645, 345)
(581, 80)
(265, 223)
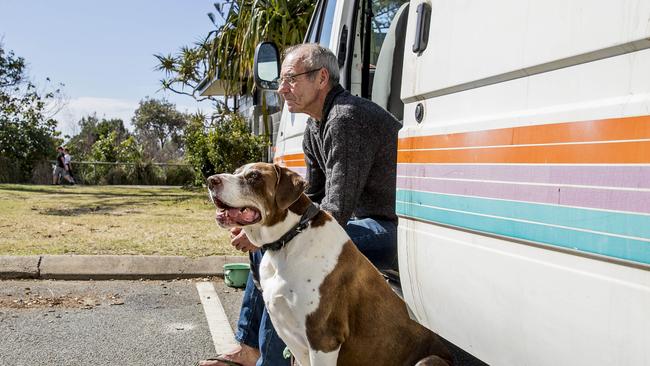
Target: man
(350, 147)
(59, 168)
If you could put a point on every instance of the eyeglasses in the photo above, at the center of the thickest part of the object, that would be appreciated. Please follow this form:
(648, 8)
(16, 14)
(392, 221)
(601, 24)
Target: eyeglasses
(291, 79)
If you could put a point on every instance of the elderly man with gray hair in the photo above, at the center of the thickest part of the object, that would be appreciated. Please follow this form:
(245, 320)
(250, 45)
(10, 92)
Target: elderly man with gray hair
(350, 147)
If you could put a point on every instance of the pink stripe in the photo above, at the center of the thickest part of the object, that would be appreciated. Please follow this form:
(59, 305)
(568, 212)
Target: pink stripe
(604, 176)
(608, 199)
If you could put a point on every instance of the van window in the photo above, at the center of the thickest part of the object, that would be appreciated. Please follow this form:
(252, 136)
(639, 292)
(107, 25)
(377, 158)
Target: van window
(312, 32)
(328, 20)
(383, 16)
(384, 11)
(320, 27)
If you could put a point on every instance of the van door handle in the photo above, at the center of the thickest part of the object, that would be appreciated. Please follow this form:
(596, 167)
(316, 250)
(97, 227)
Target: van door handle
(422, 28)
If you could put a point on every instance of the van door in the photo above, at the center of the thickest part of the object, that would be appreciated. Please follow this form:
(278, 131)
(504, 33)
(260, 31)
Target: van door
(330, 19)
(523, 161)
(355, 30)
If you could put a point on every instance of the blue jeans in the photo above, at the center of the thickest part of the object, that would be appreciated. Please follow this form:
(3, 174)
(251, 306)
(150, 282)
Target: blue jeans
(376, 239)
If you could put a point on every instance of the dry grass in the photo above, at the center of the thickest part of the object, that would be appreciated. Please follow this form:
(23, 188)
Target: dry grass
(108, 220)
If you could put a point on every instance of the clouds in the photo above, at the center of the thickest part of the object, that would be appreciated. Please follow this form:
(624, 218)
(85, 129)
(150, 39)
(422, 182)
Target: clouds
(107, 108)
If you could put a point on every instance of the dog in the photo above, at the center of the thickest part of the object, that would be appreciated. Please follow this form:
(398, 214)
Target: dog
(327, 302)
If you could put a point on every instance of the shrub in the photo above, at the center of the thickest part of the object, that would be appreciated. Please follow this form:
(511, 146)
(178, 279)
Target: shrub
(179, 175)
(9, 171)
(145, 173)
(222, 147)
(115, 175)
(42, 172)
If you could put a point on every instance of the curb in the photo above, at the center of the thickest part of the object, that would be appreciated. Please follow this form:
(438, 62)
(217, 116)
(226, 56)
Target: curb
(112, 267)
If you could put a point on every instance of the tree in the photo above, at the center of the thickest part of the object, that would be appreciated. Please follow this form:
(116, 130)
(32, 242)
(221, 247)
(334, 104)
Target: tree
(196, 147)
(91, 130)
(229, 50)
(158, 120)
(185, 70)
(110, 149)
(27, 126)
(222, 145)
(247, 23)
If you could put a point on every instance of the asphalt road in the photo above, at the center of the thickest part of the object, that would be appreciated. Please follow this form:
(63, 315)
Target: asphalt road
(107, 322)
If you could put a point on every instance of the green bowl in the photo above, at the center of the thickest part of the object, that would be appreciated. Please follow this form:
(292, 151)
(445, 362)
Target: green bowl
(236, 274)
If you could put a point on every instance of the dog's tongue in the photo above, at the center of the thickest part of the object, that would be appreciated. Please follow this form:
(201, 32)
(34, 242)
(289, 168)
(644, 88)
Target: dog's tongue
(239, 215)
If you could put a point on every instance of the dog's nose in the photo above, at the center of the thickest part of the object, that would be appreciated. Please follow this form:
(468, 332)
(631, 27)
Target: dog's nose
(214, 181)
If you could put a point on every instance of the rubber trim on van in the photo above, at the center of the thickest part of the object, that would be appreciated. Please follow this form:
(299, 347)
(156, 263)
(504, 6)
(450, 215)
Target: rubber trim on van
(583, 58)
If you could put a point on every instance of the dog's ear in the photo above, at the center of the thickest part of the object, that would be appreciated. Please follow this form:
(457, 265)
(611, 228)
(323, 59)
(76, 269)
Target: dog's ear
(288, 188)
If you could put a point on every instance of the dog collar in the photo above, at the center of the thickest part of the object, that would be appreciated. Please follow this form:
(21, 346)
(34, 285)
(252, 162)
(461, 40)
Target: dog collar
(311, 212)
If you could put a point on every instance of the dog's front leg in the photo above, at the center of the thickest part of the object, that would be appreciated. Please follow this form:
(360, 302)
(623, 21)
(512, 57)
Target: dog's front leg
(320, 358)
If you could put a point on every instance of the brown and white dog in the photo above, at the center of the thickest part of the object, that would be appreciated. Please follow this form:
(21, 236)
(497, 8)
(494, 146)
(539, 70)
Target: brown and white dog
(327, 302)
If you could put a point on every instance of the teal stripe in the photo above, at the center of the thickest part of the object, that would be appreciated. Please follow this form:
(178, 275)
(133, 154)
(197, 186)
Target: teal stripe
(410, 204)
(628, 224)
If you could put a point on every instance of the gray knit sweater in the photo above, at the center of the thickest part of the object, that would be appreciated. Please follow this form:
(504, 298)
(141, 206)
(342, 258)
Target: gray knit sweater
(351, 158)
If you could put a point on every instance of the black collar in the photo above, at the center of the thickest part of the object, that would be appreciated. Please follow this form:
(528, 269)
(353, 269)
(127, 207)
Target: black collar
(311, 212)
(327, 105)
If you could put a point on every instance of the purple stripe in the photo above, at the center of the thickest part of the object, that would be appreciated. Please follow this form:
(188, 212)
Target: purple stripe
(301, 171)
(608, 199)
(607, 176)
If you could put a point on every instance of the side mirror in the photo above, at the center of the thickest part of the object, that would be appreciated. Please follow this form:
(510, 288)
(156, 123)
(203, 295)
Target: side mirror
(266, 66)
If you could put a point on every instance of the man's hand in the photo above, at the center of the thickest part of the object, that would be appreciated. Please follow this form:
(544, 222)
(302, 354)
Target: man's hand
(239, 240)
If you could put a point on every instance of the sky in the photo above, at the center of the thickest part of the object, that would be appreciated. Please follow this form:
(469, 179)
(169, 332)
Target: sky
(103, 50)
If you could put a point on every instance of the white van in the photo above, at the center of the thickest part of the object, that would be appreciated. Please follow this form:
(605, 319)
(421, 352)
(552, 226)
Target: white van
(523, 186)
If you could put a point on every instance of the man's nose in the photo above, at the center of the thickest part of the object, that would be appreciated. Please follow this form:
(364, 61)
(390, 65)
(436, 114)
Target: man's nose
(214, 181)
(283, 86)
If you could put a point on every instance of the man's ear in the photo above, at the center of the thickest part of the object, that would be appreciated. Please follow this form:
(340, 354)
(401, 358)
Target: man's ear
(324, 78)
(288, 188)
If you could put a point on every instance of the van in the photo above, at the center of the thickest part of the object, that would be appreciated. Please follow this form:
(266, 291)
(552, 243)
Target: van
(523, 188)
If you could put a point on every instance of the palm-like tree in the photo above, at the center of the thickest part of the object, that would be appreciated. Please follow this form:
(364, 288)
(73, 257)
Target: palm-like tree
(247, 23)
(229, 50)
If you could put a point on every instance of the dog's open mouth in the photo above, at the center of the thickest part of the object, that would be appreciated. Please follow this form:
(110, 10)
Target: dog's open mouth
(235, 216)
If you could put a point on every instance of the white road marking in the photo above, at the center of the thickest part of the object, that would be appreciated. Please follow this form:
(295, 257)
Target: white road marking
(222, 335)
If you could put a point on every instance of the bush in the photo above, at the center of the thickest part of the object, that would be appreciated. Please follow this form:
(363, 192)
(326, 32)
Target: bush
(179, 175)
(9, 172)
(222, 147)
(145, 173)
(116, 175)
(42, 172)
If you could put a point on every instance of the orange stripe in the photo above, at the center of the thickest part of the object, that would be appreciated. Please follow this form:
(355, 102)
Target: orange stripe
(295, 163)
(629, 152)
(604, 153)
(299, 156)
(629, 128)
(291, 160)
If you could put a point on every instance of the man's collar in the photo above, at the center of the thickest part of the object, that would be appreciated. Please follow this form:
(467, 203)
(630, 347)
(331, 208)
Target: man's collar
(329, 100)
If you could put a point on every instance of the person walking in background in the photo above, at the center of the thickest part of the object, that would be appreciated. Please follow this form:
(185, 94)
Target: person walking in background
(59, 168)
(67, 160)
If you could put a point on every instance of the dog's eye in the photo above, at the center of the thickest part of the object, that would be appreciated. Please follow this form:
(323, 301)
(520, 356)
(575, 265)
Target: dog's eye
(253, 177)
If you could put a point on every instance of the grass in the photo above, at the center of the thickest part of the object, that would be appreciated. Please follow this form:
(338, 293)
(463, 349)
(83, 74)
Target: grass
(39, 219)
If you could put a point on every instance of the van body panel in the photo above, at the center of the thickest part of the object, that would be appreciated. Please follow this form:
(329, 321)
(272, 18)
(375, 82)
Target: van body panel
(473, 40)
(524, 203)
(514, 304)
(524, 190)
